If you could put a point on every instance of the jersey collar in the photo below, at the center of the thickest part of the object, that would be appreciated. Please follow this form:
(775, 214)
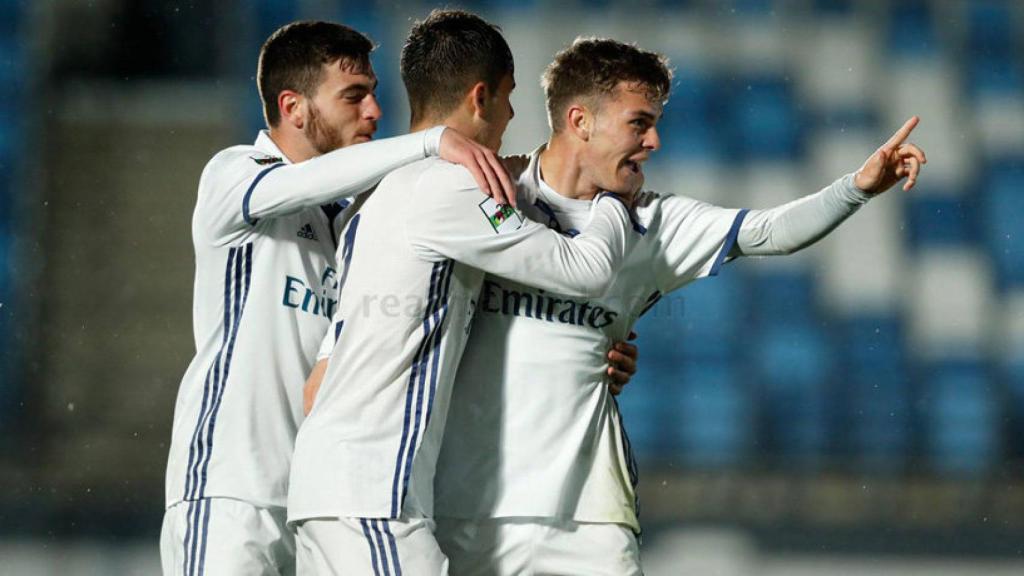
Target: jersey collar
(266, 145)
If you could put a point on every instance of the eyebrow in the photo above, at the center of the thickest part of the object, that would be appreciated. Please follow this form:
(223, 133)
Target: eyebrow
(359, 87)
(644, 114)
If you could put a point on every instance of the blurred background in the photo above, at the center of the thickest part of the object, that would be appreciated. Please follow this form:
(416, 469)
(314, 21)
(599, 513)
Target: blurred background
(857, 408)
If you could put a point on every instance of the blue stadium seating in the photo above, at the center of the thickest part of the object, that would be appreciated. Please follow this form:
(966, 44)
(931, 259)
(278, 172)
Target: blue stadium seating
(649, 408)
(873, 343)
(1002, 205)
(995, 75)
(960, 418)
(783, 296)
(990, 26)
(765, 123)
(878, 418)
(911, 30)
(692, 118)
(793, 364)
(833, 7)
(937, 220)
(714, 420)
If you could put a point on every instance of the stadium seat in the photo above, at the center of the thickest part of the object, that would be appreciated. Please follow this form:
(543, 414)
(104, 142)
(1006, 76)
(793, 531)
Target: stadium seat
(873, 343)
(793, 364)
(713, 316)
(783, 296)
(765, 123)
(990, 28)
(1002, 205)
(833, 7)
(649, 409)
(995, 75)
(691, 118)
(911, 30)
(878, 418)
(937, 220)
(714, 421)
(960, 418)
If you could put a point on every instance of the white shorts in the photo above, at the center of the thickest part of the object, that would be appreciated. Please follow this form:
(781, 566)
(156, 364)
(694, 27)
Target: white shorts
(535, 546)
(371, 547)
(224, 536)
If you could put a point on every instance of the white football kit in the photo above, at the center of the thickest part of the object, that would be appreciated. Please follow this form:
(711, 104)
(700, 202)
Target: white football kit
(265, 233)
(412, 260)
(533, 432)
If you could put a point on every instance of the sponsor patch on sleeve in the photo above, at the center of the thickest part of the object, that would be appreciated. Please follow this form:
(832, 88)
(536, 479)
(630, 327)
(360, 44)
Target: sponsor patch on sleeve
(503, 218)
(265, 160)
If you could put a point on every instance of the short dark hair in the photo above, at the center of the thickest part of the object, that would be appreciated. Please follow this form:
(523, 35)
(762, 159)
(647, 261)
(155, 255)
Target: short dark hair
(448, 53)
(593, 67)
(294, 55)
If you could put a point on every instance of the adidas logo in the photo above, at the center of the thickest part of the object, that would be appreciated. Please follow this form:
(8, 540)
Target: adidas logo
(307, 232)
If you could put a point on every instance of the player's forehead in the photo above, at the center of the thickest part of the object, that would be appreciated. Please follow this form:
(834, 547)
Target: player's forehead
(346, 72)
(633, 99)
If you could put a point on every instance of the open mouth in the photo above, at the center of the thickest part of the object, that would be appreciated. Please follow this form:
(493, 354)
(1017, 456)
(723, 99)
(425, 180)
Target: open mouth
(633, 165)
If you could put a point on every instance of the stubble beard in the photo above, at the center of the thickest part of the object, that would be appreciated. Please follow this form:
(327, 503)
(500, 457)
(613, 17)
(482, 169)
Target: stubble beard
(324, 137)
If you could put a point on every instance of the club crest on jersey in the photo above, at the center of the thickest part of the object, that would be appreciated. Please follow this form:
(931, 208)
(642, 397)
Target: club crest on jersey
(307, 232)
(503, 218)
(265, 160)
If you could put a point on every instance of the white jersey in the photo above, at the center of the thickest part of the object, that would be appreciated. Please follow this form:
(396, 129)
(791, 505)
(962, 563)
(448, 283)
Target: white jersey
(533, 430)
(413, 259)
(265, 289)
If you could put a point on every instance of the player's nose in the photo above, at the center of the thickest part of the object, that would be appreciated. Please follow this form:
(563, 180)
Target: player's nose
(652, 140)
(371, 109)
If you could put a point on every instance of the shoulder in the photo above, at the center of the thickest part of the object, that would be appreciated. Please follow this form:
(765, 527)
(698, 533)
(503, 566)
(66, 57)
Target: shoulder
(441, 174)
(235, 163)
(655, 210)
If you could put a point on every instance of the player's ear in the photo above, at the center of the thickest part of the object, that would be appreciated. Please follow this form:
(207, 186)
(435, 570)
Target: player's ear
(290, 106)
(579, 121)
(479, 96)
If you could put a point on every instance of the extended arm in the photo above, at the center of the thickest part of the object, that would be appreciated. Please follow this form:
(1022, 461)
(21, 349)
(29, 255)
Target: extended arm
(798, 224)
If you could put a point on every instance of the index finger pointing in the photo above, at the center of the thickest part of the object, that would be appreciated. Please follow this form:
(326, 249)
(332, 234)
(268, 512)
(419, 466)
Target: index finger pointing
(902, 133)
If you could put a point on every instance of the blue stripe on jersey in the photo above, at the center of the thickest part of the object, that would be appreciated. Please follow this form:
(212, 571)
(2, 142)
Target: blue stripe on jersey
(207, 504)
(394, 548)
(373, 547)
(428, 365)
(189, 542)
(238, 272)
(411, 422)
(634, 470)
(346, 252)
(380, 547)
(243, 276)
(651, 301)
(436, 346)
(332, 211)
(730, 241)
(248, 193)
(196, 445)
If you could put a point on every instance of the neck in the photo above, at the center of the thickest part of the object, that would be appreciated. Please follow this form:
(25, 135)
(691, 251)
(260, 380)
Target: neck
(296, 149)
(455, 121)
(560, 168)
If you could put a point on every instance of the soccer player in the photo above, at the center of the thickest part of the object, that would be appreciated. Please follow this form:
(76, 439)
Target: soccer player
(535, 475)
(412, 261)
(266, 287)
